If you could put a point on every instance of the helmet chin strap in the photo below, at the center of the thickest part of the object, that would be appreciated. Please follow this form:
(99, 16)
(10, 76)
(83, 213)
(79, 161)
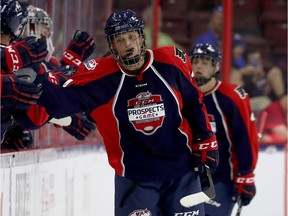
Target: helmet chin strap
(200, 81)
(131, 61)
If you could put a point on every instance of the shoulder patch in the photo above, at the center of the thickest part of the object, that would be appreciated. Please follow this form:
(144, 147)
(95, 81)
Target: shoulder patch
(180, 54)
(91, 64)
(241, 92)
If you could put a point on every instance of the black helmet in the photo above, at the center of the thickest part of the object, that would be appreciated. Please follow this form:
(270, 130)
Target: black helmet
(122, 22)
(13, 17)
(207, 50)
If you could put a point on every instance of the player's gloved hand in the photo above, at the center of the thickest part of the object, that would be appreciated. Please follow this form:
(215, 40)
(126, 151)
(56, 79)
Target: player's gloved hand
(80, 127)
(79, 49)
(62, 73)
(19, 91)
(205, 151)
(23, 53)
(244, 188)
(17, 138)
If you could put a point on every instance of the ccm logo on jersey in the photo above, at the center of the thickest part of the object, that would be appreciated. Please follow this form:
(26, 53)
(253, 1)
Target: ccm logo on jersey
(14, 58)
(191, 213)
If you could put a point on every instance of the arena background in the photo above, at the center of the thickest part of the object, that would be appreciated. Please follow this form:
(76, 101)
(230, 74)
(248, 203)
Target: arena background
(62, 176)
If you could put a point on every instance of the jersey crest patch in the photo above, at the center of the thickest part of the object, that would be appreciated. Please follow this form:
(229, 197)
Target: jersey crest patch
(140, 212)
(241, 92)
(91, 64)
(146, 112)
(180, 54)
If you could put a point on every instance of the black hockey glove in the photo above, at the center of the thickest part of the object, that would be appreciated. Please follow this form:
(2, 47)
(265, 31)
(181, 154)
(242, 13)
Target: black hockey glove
(205, 151)
(23, 53)
(244, 188)
(62, 73)
(19, 91)
(80, 127)
(17, 138)
(79, 49)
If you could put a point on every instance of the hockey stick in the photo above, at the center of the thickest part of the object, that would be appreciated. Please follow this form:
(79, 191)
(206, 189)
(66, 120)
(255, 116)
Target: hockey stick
(203, 196)
(262, 121)
(239, 207)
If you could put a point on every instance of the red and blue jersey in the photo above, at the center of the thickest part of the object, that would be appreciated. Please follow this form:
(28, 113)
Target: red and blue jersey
(32, 118)
(147, 120)
(233, 122)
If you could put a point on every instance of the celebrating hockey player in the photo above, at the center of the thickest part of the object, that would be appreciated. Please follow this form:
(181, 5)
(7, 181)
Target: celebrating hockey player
(233, 122)
(17, 95)
(150, 114)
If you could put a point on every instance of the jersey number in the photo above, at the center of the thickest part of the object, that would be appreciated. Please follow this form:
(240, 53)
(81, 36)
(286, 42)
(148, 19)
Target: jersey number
(180, 54)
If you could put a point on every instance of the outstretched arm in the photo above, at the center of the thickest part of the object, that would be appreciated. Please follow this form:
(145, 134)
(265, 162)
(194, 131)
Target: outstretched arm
(61, 102)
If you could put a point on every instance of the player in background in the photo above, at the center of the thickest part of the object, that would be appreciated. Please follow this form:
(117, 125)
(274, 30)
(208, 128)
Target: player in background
(40, 25)
(233, 121)
(27, 50)
(150, 114)
(15, 57)
(80, 47)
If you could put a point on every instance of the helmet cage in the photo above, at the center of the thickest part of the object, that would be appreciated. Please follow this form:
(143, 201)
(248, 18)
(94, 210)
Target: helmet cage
(36, 18)
(123, 60)
(123, 22)
(210, 53)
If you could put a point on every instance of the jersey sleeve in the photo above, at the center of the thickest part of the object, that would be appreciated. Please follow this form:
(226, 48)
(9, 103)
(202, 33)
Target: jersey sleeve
(243, 131)
(32, 118)
(80, 93)
(190, 96)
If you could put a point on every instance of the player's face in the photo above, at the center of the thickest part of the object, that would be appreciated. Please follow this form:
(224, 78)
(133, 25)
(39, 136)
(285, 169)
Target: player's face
(128, 45)
(44, 31)
(203, 67)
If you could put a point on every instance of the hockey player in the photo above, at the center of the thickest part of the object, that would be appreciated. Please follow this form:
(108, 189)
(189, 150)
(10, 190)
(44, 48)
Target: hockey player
(15, 57)
(25, 53)
(80, 47)
(150, 114)
(232, 120)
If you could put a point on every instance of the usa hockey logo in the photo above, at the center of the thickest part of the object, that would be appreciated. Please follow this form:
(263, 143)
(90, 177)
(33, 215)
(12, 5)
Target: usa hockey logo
(146, 112)
(141, 212)
(91, 64)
